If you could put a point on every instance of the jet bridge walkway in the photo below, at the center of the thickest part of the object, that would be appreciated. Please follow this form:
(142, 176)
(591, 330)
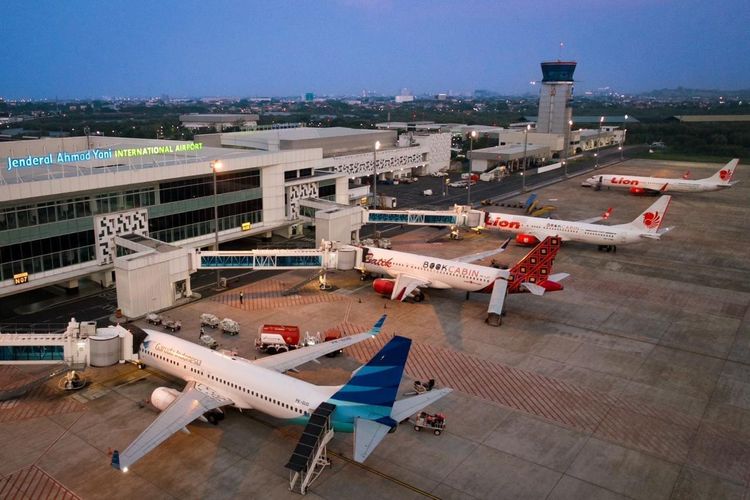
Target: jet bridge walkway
(329, 257)
(460, 216)
(310, 456)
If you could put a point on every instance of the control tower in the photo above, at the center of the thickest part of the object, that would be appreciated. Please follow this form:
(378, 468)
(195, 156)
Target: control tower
(554, 102)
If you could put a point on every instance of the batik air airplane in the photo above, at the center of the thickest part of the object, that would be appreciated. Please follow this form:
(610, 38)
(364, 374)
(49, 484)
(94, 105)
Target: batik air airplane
(656, 185)
(411, 273)
(365, 405)
(530, 230)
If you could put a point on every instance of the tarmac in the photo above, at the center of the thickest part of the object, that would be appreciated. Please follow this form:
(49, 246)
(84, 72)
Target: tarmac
(633, 382)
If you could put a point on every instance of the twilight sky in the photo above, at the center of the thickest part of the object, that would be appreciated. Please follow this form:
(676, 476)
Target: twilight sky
(93, 48)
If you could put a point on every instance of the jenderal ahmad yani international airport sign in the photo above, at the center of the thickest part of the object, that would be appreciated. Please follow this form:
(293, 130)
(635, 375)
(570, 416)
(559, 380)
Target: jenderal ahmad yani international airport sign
(98, 154)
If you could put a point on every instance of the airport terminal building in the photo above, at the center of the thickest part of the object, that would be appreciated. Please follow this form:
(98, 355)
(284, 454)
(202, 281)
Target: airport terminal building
(63, 200)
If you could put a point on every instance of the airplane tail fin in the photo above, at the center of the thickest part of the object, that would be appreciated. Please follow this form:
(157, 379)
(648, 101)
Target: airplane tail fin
(536, 266)
(370, 393)
(724, 176)
(651, 219)
(374, 386)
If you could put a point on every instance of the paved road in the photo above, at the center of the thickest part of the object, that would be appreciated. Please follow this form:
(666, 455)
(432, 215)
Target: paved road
(94, 304)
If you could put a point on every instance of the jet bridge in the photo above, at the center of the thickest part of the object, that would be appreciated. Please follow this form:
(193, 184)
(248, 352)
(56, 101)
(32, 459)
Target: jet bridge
(460, 216)
(329, 257)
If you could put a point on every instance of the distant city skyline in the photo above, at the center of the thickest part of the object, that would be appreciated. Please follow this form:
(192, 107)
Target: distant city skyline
(89, 49)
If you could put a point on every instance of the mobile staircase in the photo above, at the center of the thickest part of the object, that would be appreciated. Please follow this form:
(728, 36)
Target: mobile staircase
(310, 456)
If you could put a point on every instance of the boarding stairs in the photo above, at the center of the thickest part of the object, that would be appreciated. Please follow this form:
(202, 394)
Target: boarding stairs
(310, 456)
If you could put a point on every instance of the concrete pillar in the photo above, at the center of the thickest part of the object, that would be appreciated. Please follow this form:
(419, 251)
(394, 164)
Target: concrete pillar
(71, 286)
(105, 279)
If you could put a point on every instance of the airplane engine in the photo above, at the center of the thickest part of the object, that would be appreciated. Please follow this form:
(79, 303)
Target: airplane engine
(526, 239)
(383, 286)
(163, 397)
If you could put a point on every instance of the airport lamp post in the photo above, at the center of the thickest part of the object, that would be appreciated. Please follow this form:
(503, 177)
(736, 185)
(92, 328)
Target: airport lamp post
(566, 148)
(598, 142)
(622, 140)
(525, 143)
(375, 175)
(472, 135)
(216, 165)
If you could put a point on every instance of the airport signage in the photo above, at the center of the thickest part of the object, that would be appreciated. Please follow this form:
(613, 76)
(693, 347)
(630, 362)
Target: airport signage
(246, 226)
(98, 154)
(20, 278)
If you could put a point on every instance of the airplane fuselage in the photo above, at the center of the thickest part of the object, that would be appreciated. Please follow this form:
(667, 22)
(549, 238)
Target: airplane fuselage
(566, 230)
(656, 184)
(441, 273)
(248, 385)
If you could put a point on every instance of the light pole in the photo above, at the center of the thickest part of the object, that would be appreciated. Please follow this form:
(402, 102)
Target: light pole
(622, 140)
(216, 165)
(375, 175)
(525, 142)
(567, 147)
(598, 142)
(472, 135)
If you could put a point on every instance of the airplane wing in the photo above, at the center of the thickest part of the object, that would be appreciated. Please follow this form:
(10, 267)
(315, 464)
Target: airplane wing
(557, 277)
(367, 435)
(291, 359)
(594, 220)
(405, 284)
(483, 255)
(533, 288)
(497, 297)
(657, 235)
(195, 400)
(404, 408)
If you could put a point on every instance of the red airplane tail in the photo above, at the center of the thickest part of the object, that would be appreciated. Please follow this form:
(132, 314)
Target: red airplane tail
(536, 267)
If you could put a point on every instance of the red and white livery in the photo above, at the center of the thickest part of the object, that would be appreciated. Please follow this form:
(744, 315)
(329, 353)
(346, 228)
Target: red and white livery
(530, 230)
(656, 185)
(410, 273)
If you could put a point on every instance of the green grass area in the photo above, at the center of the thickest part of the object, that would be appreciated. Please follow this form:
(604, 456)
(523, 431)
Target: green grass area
(677, 156)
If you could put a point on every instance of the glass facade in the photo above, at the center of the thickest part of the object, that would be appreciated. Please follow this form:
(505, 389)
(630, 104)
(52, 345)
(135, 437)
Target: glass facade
(327, 192)
(197, 187)
(201, 222)
(75, 246)
(74, 208)
(46, 254)
(32, 353)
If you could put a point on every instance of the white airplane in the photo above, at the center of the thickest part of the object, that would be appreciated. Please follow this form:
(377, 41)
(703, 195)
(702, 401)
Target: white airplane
(657, 185)
(365, 405)
(530, 230)
(413, 272)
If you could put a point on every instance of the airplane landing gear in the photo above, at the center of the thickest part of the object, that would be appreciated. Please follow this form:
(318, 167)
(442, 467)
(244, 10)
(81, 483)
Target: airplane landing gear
(214, 417)
(418, 297)
(608, 248)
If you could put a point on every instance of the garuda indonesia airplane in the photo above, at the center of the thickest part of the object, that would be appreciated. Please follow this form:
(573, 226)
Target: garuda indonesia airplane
(365, 405)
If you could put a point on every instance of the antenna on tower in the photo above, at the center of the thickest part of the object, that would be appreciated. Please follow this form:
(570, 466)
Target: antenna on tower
(559, 54)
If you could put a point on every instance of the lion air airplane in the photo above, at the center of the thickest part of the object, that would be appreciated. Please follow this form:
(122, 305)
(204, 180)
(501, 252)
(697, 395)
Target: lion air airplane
(530, 230)
(656, 185)
(413, 272)
(365, 405)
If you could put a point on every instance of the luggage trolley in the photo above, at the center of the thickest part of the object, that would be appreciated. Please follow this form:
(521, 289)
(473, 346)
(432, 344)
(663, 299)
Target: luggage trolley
(424, 420)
